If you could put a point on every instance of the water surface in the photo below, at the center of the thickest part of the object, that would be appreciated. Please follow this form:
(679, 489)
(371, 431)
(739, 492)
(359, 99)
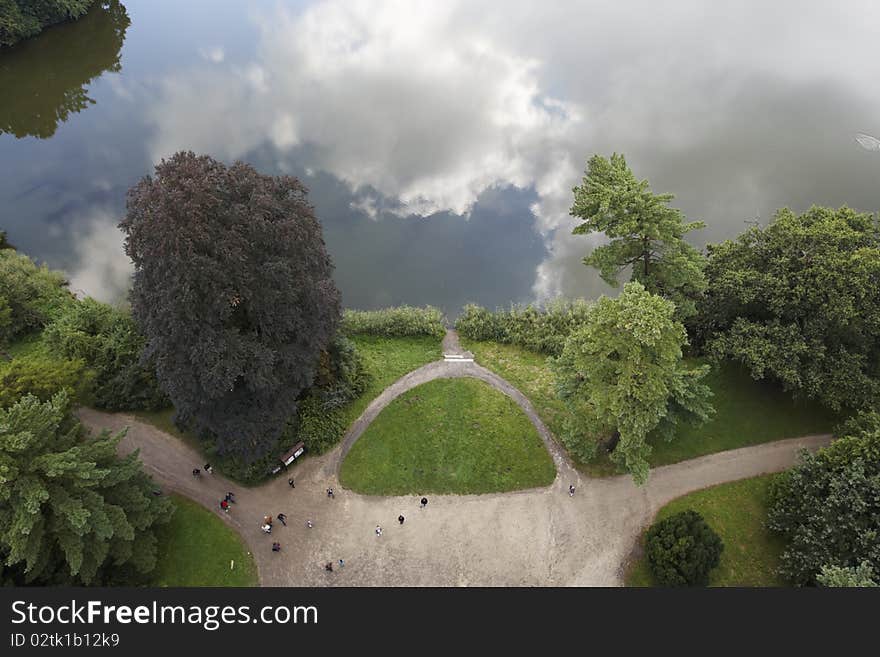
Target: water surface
(440, 141)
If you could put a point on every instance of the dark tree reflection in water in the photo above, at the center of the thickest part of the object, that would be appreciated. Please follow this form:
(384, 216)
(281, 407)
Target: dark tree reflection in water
(45, 79)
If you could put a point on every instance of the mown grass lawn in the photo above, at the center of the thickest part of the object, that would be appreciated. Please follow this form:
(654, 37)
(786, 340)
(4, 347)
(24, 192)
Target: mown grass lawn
(748, 412)
(448, 436)
(736, 511)
(196, 548)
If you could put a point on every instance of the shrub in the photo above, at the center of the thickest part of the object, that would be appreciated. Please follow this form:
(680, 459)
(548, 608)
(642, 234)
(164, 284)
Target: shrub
(341, 375)
(397, 322)
(542, 330)
(107, 339)
(43, 377)
(30, 296)
(319, 426)
(827, 508)
(682, 549)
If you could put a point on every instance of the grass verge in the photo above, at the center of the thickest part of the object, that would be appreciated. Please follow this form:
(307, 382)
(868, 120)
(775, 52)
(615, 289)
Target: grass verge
(736, 511)
(196, 549)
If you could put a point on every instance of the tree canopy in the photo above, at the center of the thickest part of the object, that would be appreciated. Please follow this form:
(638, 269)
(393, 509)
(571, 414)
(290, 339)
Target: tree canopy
(71, 510)
(799, 301)
(646, 234)
(20, 19)
(30, 295)
(233, 293)
(622, 372)
(827, 508)
(855, 576)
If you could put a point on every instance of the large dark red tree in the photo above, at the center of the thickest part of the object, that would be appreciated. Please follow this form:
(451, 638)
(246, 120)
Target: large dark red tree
(233, 291)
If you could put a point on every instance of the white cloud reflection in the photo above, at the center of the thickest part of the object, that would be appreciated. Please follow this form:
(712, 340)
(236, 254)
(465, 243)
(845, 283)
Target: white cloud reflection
(431, 103)
(103, 271)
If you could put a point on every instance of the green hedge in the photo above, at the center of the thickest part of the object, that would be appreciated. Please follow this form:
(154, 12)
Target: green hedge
(397, 322)
(542, 330)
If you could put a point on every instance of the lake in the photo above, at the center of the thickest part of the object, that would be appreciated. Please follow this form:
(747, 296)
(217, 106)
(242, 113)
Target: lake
(439, 141)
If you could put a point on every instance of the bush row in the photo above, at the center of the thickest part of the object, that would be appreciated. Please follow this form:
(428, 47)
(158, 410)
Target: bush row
(540, 329)
(397, 322)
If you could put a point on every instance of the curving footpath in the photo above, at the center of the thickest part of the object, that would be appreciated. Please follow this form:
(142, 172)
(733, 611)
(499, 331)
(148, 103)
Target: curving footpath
(539, 537)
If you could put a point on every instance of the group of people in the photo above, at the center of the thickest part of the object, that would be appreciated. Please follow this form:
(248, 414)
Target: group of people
(267, 520)
(207, 467)
(226, 501)
(401, 518)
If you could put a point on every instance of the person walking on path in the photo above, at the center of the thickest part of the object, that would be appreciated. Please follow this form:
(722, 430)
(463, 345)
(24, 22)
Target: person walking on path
(276, 547)
(196, 472)
(424, 503)
(267, 520)
(282, 518)
(230, 498)
(378, 530)
(341, 563)
(328, 567)
(571, 490)
(309, 524)
(267, 528)
(208, 468)
(400, 519)
(329, 492)
(290, 483)
(224, 505)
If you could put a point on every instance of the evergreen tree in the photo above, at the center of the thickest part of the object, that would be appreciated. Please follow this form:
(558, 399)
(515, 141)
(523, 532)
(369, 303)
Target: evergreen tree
(71, 510)
(646, 234)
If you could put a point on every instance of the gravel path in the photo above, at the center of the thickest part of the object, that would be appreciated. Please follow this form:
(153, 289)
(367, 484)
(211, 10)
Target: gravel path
(539, 537)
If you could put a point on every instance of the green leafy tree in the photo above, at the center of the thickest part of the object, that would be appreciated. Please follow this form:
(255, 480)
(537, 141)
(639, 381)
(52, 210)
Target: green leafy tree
(799, 302)
(20, 19)
(827, 508)
(71, 510)
(30, 296)
(43, 377)
(682, 550)
(856, 576)
(646, 234)
(107, 339)
(622, 374)
(234, 294)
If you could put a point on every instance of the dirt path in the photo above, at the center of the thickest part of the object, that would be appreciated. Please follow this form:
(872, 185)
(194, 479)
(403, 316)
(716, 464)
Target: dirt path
(538, 537)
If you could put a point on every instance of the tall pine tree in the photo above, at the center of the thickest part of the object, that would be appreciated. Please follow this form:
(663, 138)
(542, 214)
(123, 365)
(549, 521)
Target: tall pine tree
(70, 509)
(646, 234)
